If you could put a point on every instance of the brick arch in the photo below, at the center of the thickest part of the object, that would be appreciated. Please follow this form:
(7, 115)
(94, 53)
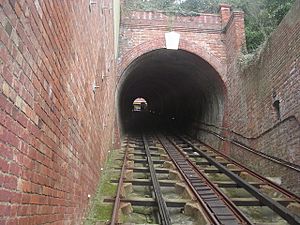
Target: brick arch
(159, 43)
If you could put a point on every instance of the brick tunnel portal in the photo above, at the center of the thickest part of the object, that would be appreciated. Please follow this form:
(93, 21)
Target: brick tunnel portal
(180, 88)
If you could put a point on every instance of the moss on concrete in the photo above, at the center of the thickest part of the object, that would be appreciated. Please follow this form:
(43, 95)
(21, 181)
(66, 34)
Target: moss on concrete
(101, 211)
(140, 215)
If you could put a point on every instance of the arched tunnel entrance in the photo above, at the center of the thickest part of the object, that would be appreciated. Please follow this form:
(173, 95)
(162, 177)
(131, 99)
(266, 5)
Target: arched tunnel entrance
(180, 88)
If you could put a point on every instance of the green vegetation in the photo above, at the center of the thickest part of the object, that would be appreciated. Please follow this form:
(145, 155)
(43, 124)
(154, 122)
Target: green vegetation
(261, 16)
(101, 211)
(140, 215)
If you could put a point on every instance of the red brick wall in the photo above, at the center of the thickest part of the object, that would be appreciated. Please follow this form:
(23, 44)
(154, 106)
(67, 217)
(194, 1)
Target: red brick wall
(217, 38)
(203, 32)
(54, 130)
(274, 75)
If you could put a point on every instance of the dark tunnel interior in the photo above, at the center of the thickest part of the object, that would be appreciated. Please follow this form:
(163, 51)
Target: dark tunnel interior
(180, 88)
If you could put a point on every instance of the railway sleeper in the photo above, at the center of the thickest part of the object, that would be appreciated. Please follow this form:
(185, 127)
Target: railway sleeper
(264, 198)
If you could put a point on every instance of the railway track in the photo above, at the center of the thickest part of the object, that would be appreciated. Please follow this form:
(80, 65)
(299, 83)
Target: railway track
(211, 159)
(218, 208)
(116, 208)
(164, 214)
(194, 161)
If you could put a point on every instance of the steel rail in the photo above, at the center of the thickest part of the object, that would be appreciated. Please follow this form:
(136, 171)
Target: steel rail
(115, 216)
(276, 160)
(164, 214)
(228, 202)
(256, 175)
(209, 214)
(275, 206)
(207, 203)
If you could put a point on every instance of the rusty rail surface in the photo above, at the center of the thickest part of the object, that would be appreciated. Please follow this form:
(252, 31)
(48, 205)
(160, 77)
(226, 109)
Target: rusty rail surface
(273, 159)
(218, 208)
(256, 175)
(115, 216)
(275, 206)
(162, 206)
